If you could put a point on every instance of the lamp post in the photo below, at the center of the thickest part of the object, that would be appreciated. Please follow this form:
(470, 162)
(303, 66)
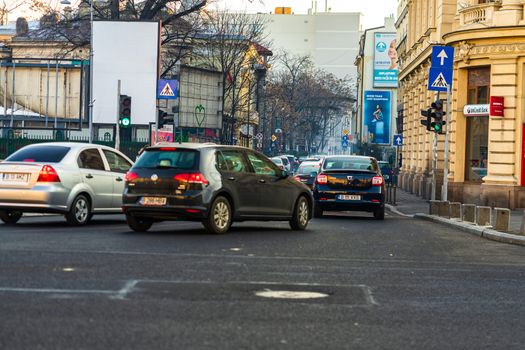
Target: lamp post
(91, 54)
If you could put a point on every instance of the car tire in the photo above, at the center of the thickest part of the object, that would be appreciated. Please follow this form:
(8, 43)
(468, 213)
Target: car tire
(318, 212)
(80, 212)
(379, 213)
(138, 224)
(10, 217)
(220, 216)
(301, 214)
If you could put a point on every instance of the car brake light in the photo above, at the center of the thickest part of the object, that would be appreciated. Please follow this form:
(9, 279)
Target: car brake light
(377, 181)
(322, 179)
(297, 178)
(167, 149)
(193, 178)
(48, 174)
(130, 176)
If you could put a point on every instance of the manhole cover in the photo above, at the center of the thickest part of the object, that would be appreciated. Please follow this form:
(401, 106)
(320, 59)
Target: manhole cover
(289, 294)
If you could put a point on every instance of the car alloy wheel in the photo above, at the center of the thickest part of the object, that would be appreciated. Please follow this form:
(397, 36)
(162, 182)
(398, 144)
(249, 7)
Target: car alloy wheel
(138, 224)
(220, 217)
(80, 211)
(301, 214)
(10, 217)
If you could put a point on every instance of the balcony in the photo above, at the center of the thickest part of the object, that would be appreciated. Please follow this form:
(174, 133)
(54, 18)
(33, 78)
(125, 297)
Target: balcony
(479, 13)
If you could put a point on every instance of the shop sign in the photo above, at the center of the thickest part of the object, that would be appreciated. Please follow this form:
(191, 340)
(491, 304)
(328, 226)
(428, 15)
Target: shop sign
(497, 106)
(476, 110)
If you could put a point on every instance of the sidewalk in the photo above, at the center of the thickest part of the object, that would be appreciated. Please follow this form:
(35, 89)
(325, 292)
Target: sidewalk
(409, 204)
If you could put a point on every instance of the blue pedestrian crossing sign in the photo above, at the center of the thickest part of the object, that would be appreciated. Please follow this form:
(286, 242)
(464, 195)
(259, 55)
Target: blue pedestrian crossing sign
(167, 89)
(398, 140)
(344, 141)
(441, 71)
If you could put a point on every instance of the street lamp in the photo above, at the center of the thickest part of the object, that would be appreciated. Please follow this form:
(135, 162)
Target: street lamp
(91, 54)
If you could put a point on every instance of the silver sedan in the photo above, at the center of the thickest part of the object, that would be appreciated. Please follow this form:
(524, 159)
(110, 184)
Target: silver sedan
(74, 179)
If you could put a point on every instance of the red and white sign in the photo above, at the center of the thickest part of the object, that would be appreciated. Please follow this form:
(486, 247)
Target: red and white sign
(497, 106)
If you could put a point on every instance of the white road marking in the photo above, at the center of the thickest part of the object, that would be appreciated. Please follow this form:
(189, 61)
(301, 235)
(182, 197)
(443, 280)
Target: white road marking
(56, 291)
(124, 291)
(288, 294)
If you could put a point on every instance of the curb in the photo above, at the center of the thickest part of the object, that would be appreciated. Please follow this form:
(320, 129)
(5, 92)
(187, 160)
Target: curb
(393, 209)
(479, 231)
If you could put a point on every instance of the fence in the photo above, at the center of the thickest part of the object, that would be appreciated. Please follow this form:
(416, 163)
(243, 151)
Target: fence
(9, 145)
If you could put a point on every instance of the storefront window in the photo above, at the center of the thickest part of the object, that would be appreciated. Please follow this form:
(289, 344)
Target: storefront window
(477, 127)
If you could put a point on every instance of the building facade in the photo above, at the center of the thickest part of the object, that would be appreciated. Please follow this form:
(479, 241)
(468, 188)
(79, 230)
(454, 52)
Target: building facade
(487, 164)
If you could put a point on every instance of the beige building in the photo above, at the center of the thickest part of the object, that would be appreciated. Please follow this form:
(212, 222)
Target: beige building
(486, 151)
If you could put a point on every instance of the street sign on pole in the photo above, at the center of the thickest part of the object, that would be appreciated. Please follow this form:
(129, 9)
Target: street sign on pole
(167, 89)
(398, 140)
(441, 71)
(274, 138)
(443, 57)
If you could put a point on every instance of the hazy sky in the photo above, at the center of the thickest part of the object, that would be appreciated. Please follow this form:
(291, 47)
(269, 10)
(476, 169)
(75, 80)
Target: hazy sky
(374, 11)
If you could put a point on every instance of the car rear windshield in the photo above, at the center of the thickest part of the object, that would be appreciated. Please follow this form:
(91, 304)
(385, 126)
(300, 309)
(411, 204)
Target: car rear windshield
(168, 158)
(349, 163)
(308, 169)
(39, 154)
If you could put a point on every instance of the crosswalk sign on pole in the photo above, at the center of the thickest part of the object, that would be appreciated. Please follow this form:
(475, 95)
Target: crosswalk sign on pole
(167, 89)
(439, 79)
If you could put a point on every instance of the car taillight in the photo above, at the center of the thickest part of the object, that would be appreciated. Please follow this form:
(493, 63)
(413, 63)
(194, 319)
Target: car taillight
(377, 181)
(297, 178)
(48, 174)
(193, 178)
(322, 179)
(130, 176)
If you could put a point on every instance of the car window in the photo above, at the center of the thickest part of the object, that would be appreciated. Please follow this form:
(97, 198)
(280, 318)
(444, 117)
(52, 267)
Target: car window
(168, 158)
(44, 154)
(307, 169)
(117, 163)
(235, 161)
(90, 159)
(220, 162)
(262, 166)
(350, 163)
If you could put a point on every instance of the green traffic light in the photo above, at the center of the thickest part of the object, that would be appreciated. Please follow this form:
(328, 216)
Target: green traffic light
(125, 122)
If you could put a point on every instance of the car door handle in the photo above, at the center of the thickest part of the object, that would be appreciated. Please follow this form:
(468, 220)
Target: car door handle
(231, 178)
(89, 176)
(119, 179)
(263, 181)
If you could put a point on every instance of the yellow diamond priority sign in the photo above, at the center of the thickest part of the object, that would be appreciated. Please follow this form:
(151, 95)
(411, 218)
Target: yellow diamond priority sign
(274, 138)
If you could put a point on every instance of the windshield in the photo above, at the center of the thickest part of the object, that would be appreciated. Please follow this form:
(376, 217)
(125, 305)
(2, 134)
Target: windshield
(350, 163)
(307, 169)
(39, 154)
(172, 158)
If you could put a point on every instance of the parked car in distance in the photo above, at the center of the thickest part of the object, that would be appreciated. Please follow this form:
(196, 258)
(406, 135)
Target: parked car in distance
(279, 162)
(307, 172)
(286, 163)
(349, 183)
(74, 179)
(212, 184)
(293, 162)
(386, 171)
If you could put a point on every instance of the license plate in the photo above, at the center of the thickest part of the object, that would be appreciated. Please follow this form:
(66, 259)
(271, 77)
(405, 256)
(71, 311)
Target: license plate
(153, 201)
(15, 177)
(349, 197)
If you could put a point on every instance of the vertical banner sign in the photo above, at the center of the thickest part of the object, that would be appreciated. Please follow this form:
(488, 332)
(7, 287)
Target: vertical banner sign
(377, 116)
(385, 60)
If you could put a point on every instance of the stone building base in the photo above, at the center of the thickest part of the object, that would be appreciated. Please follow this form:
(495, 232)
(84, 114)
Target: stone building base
(501, 196)
(419, 184)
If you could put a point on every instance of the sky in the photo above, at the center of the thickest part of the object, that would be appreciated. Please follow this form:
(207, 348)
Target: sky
(374, 11)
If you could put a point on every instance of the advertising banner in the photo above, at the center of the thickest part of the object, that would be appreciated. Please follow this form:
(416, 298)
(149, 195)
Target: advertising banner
(385, 60)
(377, 116)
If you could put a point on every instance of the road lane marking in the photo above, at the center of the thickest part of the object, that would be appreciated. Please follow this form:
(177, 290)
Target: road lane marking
(56, 291)
(124, 291)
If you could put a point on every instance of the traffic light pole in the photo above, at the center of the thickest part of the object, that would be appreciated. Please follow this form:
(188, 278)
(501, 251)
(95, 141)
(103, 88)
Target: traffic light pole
(117, 125)
(434, 163)
(444, 189)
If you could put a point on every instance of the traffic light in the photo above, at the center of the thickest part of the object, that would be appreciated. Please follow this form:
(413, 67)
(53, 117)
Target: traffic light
(164, 118)
(428, 114)
(437, 115)
(124, 111)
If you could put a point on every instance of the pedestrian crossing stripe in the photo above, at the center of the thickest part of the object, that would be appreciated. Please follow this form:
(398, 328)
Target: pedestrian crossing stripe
(167, 91)
(440, 81)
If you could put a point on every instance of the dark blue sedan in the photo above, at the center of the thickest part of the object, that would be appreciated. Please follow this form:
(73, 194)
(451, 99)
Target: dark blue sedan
(349, 183)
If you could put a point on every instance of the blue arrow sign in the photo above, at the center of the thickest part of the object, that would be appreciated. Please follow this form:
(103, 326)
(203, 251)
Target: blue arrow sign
(442, 57)
(439, 79)
(398, 140)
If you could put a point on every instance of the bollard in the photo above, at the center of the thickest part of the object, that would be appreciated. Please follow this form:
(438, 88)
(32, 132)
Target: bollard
(444, 209)
(483, 215)
(501, 219)
(468, 212)
(455, 210)
(434, 207)
(395, 195)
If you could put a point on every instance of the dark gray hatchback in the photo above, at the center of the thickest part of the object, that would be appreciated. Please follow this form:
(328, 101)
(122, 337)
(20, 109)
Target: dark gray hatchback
(213, 184)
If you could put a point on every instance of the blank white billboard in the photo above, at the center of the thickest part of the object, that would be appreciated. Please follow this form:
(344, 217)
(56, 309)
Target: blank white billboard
(125, 51)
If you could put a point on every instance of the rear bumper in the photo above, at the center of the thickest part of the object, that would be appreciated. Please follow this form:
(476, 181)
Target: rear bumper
(188, 208)
(41, 199)
(329, 201)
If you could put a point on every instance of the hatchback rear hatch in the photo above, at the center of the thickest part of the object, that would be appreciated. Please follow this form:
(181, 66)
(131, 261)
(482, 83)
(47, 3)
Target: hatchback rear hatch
(165, 171)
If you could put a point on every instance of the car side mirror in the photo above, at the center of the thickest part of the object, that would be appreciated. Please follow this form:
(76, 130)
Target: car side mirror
(313, 174)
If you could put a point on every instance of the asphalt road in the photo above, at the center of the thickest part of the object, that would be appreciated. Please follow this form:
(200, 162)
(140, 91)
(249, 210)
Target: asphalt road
(397, 284)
